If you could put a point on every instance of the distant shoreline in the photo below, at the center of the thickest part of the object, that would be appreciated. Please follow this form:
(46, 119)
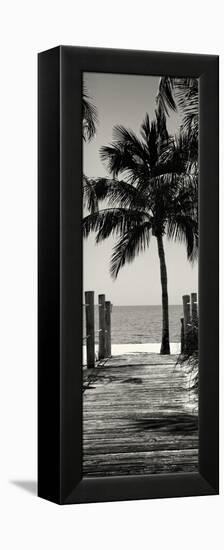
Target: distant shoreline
(142, 305)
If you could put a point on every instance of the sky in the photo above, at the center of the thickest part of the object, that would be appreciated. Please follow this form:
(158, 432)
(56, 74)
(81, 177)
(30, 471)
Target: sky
(125, 99)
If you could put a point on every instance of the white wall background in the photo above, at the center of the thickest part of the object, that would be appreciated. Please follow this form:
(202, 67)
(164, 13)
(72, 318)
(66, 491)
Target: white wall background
(26, 28)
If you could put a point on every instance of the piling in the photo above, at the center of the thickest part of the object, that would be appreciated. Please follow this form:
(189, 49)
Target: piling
(102, 342)
(90, 330)
(108, 328)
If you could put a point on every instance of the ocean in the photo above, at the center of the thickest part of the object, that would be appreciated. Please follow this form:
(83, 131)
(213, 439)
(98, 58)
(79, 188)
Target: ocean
(140, 324)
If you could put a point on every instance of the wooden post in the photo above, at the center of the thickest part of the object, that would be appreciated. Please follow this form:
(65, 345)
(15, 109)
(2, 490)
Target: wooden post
(187, 319)
(194, 309)
(102, 344)
(108, 328)
(90, 331)
(182, 335)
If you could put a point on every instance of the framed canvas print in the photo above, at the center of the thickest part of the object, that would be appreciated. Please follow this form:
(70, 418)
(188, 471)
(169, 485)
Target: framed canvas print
(128, 275)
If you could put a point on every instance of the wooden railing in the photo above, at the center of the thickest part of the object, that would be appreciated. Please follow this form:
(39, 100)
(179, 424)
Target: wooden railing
(104, 328)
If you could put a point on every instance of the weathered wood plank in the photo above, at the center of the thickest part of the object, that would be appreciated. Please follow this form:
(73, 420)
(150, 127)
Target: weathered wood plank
(139, 417)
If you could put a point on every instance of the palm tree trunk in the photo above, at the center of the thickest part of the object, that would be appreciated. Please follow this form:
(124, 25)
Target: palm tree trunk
(165, 344)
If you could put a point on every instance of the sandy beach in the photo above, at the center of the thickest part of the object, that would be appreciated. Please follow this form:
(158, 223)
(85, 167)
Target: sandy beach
(121, 349)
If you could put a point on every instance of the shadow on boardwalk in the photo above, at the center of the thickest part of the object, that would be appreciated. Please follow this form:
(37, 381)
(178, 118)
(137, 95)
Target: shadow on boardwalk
(139, 417)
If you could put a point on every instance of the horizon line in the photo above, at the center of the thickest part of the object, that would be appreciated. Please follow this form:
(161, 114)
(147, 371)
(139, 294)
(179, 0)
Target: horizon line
(142, 305)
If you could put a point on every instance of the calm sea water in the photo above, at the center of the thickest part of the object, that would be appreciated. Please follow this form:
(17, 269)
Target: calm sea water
(141, 324)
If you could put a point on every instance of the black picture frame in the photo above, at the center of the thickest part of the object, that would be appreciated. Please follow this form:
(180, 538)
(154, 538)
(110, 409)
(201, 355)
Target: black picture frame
(60, 275)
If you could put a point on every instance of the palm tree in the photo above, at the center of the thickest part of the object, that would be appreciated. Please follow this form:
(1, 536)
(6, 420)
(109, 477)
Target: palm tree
(157, 197)
(89, 116)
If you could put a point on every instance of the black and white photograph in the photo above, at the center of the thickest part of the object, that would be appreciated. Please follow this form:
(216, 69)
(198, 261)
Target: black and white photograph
(140, 138)
(112, 241)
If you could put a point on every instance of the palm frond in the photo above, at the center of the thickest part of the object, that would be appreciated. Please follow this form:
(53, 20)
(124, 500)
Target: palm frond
(145, 128)
(161, 125)
(150, 134)
(181, 93)
(178, 153)
(129, 246)
(118, 193)
(89, 116)
(124, 137)
(185, 198)
(90, 200)
(118, 160)
(186, 90)
(125, 152)
(188, 102)
(182, 216)
(121, 160)
(184, 228)
(112, 221)
(165, 97)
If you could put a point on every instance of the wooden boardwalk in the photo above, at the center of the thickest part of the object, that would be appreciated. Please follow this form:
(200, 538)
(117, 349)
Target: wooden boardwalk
(139, 417)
